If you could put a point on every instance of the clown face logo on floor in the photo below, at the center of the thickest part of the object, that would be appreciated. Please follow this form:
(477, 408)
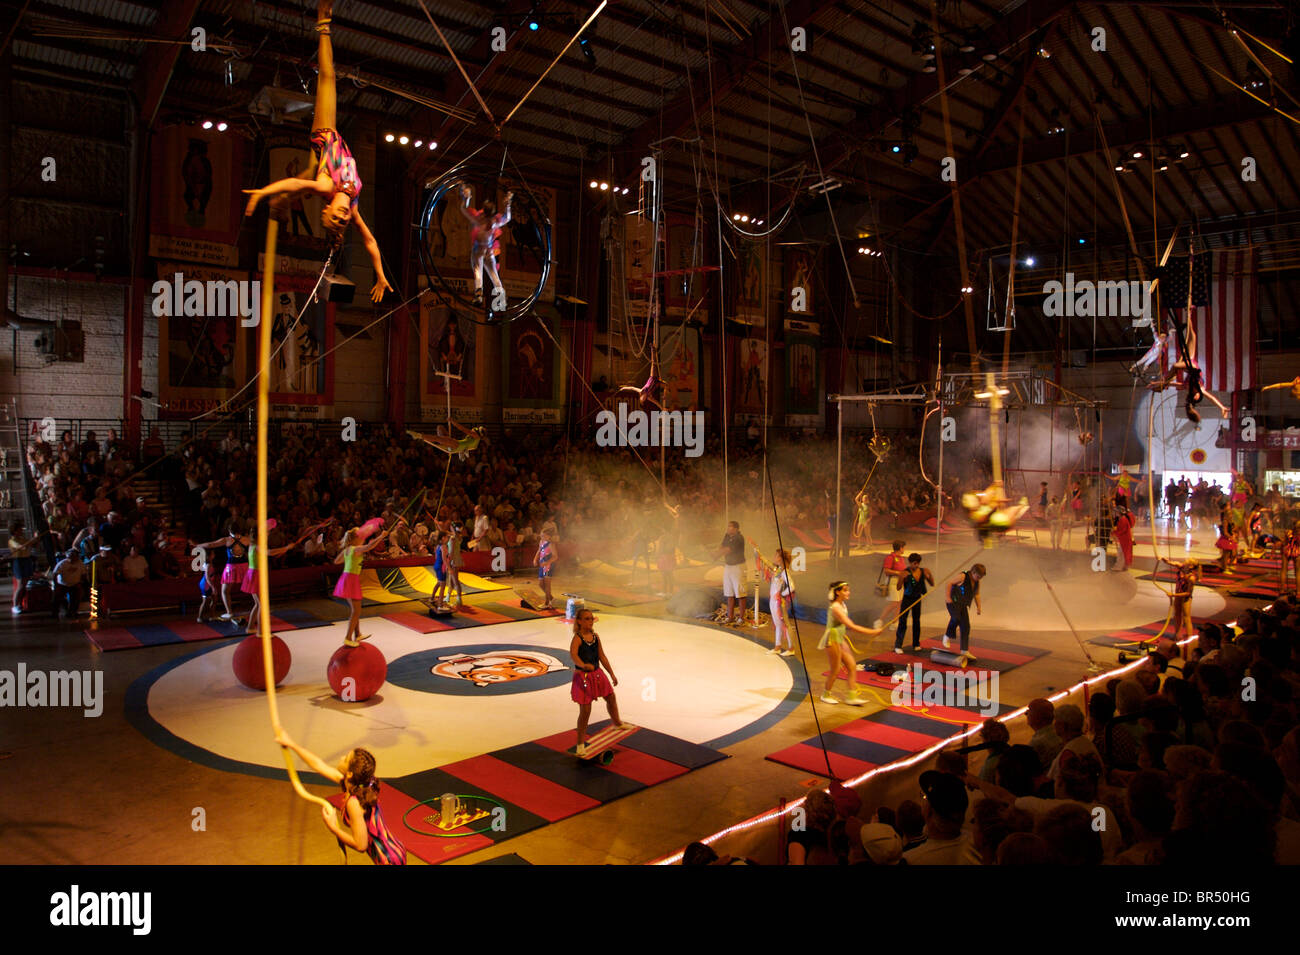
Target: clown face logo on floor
(500, 666)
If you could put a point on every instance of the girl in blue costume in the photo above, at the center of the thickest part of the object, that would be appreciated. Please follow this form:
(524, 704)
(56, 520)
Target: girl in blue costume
(362, 827)
(336, 180)
(232, 577)
(839, 650)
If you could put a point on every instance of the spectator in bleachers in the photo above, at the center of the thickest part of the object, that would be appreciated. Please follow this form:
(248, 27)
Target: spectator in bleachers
(945, 812)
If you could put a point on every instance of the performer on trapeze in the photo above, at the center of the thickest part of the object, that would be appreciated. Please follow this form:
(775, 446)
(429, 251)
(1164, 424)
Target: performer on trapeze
(462, 446)
(651, 394)
(336, 181)
(1187, 363)
(484, 236)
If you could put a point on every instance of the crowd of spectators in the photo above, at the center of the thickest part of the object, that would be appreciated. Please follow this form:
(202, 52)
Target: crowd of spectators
(1183, 761)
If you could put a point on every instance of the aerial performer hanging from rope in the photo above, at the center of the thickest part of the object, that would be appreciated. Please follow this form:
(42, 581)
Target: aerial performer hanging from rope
(462, 446)
(336, 181)
(1185, 339)
(485, 241)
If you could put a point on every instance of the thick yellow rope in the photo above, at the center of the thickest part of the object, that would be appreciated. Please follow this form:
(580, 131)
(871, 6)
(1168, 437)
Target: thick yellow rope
(263, 544)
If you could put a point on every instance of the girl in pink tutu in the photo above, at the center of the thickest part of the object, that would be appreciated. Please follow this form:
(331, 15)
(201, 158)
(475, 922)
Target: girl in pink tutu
(589, 682)
(349, 585)
(236, 544)
(250, 582)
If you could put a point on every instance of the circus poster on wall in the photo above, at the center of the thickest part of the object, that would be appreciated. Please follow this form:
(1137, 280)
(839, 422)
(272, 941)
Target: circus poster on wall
(196, 202)
(202, 359)
(686, 291)
(531, 371)
(803, 382)
(751, 376)
(451, 343)
(302, 361)
(750, 280)
(800, 297)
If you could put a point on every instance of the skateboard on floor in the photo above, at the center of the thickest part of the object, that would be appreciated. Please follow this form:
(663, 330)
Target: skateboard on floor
(599, 747)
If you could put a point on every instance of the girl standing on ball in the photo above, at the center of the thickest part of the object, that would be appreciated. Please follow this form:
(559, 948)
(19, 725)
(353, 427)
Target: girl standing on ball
(363, 827)
(349, 585)
(589, 682)
(839, 650)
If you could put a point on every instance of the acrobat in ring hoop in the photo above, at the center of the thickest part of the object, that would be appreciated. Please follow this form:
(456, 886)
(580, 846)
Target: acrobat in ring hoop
(437, 191)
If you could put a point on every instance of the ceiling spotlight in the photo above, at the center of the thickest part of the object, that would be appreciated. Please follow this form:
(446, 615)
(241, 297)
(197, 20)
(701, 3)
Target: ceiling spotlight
(389, 138)
(1254, 77)
(1137, 154)
(1163, 168)
(207, 124)
(1044, 53)
(1184, 154)
(1082, 240)
(759, 221)
(1119, 167)
(966, 289)
(433, 145)
(418, 143)
(1030, 261)
(593, 184)
(403, 139)
(604, 187)
(625, 190)
(221, 127)
(744, 218)
(896, 148)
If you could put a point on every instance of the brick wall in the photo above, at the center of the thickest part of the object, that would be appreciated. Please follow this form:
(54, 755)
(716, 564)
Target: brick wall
(89, 389)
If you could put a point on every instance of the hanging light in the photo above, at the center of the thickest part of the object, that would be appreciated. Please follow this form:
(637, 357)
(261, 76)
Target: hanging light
(389, 137)
(221, 127)
(207, 124)
(403, 139)
(418, 143)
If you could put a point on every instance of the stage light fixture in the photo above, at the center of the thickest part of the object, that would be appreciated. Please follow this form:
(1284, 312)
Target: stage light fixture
(389, 137)
(418, 143)
(967, 289)
(1137, 154)
(207, 124)
(221, 127)
(604, 187)
(433, 145)
(403, 139)
(896, 148)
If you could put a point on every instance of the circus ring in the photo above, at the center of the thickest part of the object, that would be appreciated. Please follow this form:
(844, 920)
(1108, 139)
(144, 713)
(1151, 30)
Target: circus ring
(708, 686)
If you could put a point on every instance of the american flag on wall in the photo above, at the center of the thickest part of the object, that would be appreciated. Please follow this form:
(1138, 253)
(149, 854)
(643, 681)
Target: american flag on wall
(1224, 312)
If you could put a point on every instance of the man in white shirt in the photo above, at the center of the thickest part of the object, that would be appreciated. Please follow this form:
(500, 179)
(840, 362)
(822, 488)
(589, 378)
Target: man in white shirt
(945, 810)
(481, 525)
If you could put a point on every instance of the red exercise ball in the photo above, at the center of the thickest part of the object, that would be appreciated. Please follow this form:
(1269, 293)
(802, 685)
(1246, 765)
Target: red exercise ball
(248, 661)
(364, 666)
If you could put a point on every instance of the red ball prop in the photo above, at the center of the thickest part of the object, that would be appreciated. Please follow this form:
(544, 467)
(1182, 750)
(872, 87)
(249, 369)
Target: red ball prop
(362, 667)
(248, 662)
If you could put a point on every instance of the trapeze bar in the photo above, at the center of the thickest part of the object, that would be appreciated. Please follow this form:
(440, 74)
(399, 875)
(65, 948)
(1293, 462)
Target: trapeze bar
(885, 397)
(702, 268)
